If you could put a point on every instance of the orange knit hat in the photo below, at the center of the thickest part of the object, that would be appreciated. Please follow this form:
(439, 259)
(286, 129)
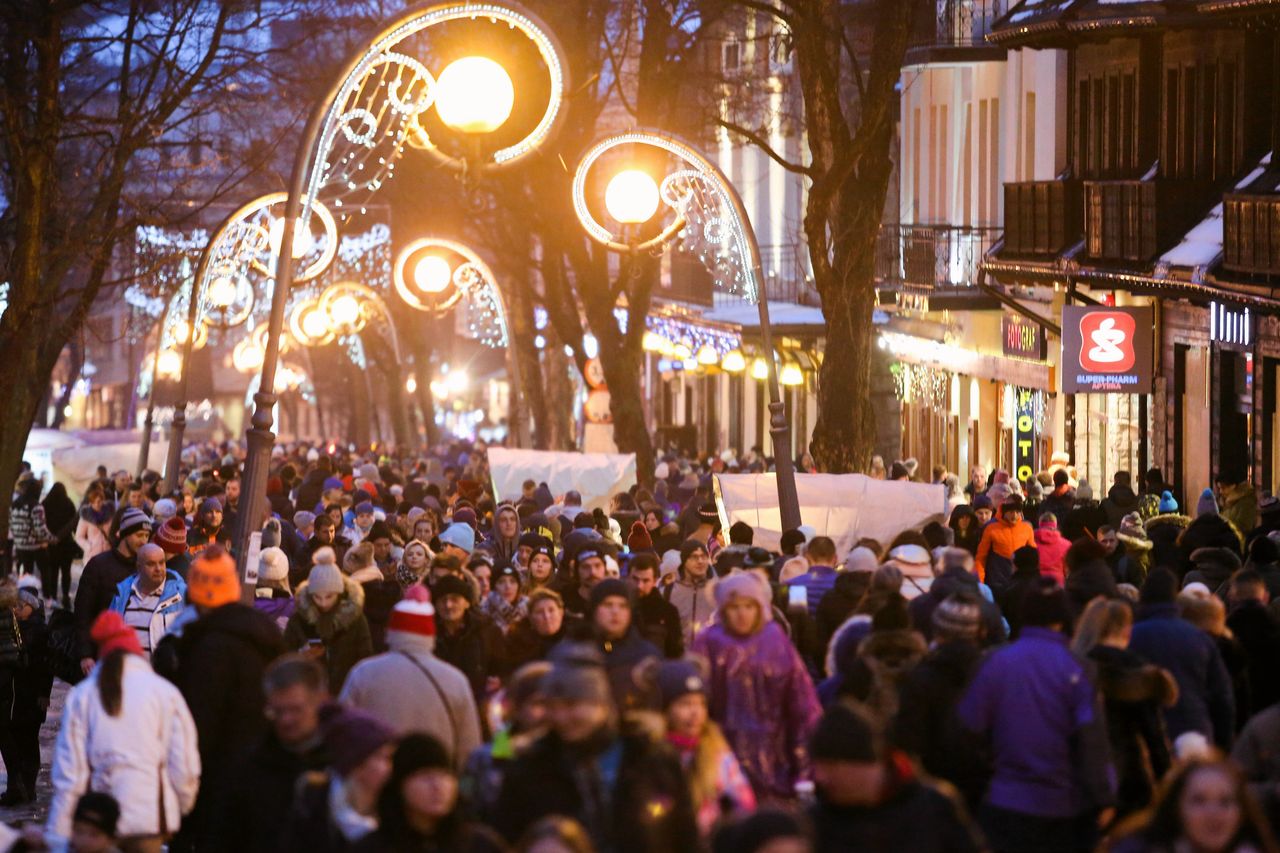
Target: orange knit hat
(212, 580)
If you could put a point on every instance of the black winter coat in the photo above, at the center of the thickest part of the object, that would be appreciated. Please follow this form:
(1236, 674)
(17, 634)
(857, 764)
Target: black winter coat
(552, 776)
(659, 623)
(916, 818)
(221, 659)
(477, 650)
(309, 826)
(1134, 693)
(343, 631)
(33, 680)
(97, 587)
(524, 645)
(927, 727)
(1259, 637)
(948, 584)
(263, 785)
(1086, 516)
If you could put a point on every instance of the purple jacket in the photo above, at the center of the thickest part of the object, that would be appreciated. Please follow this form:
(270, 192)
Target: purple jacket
(1034, 703)
(762, 697)
(279, 609)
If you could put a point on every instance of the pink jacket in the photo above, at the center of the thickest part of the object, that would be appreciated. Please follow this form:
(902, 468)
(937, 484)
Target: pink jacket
(1053, 550)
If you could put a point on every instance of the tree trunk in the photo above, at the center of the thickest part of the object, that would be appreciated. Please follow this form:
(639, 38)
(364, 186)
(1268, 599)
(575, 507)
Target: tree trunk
(423, 332)
(532, 396)
(561, 434)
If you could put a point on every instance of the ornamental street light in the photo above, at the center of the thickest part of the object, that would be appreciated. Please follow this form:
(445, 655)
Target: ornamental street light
(350, 144)
(222, 294)
(710, 219)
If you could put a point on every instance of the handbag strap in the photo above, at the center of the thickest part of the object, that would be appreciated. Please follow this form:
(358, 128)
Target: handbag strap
(444, 700)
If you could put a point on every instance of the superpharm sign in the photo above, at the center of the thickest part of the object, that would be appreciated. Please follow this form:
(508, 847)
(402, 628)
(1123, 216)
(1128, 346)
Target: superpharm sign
(1107, 350)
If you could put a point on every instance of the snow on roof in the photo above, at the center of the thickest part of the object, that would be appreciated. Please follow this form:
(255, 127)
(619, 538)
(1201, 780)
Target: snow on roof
(1202, 245)
(746, 315)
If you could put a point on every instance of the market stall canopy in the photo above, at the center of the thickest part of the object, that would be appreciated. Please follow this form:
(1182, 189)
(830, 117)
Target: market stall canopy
(845, 507)
(72, 458)
(596, 476)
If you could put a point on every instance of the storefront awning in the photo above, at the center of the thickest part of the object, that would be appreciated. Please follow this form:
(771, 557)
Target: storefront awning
(967, 362)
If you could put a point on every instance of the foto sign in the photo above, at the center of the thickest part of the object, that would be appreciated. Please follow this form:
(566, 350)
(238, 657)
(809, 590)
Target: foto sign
(1106, 350)
(1021, 338)
(1024, 435)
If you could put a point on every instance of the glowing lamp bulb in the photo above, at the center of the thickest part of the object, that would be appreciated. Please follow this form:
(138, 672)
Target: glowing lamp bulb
(652, 342)
(734, 362)
(474, 95)
(313, 325)
(631, 197)
(759, 369)
(170, 363)
(432, 274)
(791, 375)
(457, 381)
(302, 239)
(707, 355)
(411, 385)
(344, 311)
(222, 292)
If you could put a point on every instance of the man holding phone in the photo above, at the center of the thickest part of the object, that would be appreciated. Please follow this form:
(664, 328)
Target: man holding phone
(808, 589)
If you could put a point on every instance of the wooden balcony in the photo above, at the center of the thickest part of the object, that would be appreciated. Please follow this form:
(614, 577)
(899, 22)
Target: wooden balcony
(1251, 234)
(1134, 220)
(931, 257)
(1041, 217)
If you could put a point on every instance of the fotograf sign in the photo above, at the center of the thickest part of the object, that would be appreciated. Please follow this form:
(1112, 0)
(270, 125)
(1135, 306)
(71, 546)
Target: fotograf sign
(1106, 350)
(1021, 338)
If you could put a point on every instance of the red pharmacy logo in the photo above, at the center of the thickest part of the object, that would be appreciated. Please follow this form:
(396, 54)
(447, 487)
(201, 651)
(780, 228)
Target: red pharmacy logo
(1106, 342)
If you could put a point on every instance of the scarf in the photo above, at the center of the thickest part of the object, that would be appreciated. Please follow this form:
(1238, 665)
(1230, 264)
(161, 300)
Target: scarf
(504, 613)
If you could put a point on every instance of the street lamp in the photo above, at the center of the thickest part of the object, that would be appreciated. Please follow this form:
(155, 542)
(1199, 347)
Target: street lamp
(711, 219)
(350, 145)
(474, 95)
(221, 292)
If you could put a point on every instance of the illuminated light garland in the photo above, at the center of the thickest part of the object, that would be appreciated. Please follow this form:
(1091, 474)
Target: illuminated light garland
(706, 221)
(914, 383)
(480, 315)
(378, 105)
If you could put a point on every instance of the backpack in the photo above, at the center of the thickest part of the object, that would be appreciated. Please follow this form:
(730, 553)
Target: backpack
(62, 654)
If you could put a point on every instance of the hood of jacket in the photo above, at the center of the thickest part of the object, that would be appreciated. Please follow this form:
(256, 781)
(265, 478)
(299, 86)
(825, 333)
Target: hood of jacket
(1122, 496)
(1169, 519)
(242, 622)
(345, 613)
(892, 652)
(1048, 536)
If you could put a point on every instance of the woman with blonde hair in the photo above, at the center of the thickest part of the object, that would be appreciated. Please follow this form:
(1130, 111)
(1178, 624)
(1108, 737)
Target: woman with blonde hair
(1134, 692)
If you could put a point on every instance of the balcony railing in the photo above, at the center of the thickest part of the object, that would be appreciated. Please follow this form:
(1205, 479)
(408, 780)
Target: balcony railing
(787, 277)
(1251, 234)
(1041, 217)
(935, 257)
(959, 23)
(1133, 220)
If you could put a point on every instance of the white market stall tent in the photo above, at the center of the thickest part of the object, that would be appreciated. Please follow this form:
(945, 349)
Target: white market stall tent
(72, 457)
(596, 476)
(845, 507)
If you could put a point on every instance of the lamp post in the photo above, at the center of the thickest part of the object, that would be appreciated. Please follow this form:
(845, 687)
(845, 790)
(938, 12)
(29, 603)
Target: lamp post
(350, 144)
(434, 274)
(714, 220)
(245, 240)
(157, 357)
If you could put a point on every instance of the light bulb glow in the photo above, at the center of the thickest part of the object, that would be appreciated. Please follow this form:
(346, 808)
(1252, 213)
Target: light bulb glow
(457, 381)
(313, 324)
(682, 351)
(707, 355)
(653, 342)
(411, 385)
(590, 346)
(632, 197)
(169, 364)
(303, 241)
(759, 369)
(222, 292)
(734, 362)
(344, 311)
(432, 274)
(474, 95)
(791, 375)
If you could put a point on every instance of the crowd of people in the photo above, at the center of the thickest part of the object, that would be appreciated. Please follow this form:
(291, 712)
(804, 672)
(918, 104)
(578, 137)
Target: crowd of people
(424, 665)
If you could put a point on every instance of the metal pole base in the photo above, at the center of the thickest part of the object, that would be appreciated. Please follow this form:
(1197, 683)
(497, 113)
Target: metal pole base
(785, 469)
(144, 452)
(174, 460)
(253, 487)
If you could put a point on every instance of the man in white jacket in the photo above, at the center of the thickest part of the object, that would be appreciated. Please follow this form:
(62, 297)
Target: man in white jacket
(125, 732)
(412, 690)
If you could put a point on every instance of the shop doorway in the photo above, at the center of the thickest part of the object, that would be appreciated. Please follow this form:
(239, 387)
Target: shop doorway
(1234, 405)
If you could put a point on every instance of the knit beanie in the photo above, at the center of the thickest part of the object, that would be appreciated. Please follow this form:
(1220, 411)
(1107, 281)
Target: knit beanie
(303, 519)
(212, 580)
(209, 505)
(172, 536)
(413, 619)
(351, 736)
(957, 617)
(611, 587)
(364, 508)
(982, 502)
(416, 752)
(460, 535)
(999, 493)
(1084, 492)
(1026, 558)
(1207, 504)
(577, 675)
(910, 555)
(133, 520)
(689, 548)
(325, 578)
(1263, 550)
(847, 734)
(677, 678)
(638, 539)
(1167, 503)
(1132, 529)
(465, 515)
(109, 632)
(273, 565)
(164, 509)
(452, 585)
(29, 589)
(861, 559)
(748, 585)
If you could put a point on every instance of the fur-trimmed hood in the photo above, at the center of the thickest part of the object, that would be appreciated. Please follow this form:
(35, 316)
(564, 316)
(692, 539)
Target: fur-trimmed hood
(345, 613)
(1175, 519)
(893, 651)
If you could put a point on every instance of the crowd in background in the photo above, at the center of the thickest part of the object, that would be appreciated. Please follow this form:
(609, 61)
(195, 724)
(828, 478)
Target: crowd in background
(428, 666)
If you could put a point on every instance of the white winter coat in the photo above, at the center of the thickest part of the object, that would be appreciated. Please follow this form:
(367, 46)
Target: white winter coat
(147, 757)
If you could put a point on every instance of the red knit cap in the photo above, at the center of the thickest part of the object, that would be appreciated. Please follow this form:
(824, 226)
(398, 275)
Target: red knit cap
(414, 614)
(110, 632)
(639, 538)
(172, 536)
